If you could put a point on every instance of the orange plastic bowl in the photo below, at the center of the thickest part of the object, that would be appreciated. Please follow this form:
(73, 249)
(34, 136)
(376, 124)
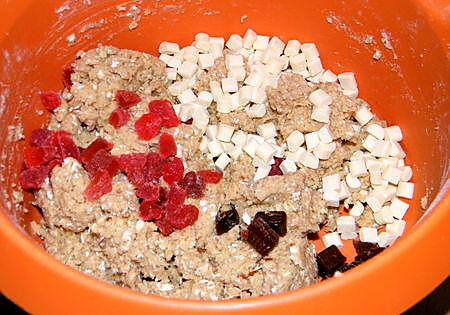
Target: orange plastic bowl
(409, 86)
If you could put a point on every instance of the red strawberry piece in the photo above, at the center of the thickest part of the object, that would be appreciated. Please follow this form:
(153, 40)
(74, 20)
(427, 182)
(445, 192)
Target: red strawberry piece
(53, 163)
(167, 145)
(41, 137)
(153, 166)
(278, 161)
(183, 216)
(164, 109)
(134, 166)
(210, 176)
(127, 99)
(188, 122)
(50, 100)
(148, 191)
(93, 148)
(102, 160)
(275, 170)
(67, 77)
(164, 227)
(163, 195)
(173, 170)
(148, 126)
(65, 147)
(176, 196)
(33, 177)
(33, 156)
(119, 117)
(193, 184)
(100, 185)
(148, 211)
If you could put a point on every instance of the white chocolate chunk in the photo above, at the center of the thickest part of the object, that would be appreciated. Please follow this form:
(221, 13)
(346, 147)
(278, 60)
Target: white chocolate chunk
(168, 48)
(357, 168)
(205, 61)
(215, 148)
(331, 183)
(346, 224)
(384, 216)
(368, 234)
(225, 132)
(392, 175)
(309, 160)
(328, 77)
(321, 114)
(295, 140)
(323, 150)
(352, 181)
(234, 42)
(261, 172)
(310, 50)
(376, 130)
(205, 98)
(347, 81)
(396, 228)
(187, 96)
(314, 67)
(187, 69)
(211, 132)
(288, 166)
(357, 209)
(222, 161)
(261, 42)
(405, 190)
(394, 133)
(363, 115)
(386, 239)
(398, 208)
(239, 138)
(406, 173)
(292, 48)
(332, 239)
(229, 85)
(320, 98)
(256, 110)
(312, 140)
(249, 39)
(265, 151)
(267, 130)
(251, 147)
(325, 134)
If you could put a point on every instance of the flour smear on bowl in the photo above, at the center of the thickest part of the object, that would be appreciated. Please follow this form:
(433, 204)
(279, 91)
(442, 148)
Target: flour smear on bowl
(201, 173)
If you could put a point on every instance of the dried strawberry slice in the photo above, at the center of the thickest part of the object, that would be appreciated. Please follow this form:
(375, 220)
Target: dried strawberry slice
(50, 100)
(67, 77)
(102, 160)
(148, 192)
(41, 137)
(153, 166)
(100, 185)
(65, 147)
(134, 166)
(164, 226)
(119, 117)
(176, 196)
(148, 126)
(173, 170)
(127, 99)
(149, 211)
(163, 195)
(183, 216)
(167, 145)
(33, 156)
(193, 184)
(33, 177)
(164, 109)
(53, 163)
(210, 176)
(93, 148)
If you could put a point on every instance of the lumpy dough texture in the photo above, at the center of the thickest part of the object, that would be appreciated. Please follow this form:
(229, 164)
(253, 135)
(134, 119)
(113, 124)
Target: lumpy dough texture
(107, 240)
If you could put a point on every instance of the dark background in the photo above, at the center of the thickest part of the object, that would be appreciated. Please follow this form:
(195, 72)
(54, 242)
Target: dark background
(437, 303)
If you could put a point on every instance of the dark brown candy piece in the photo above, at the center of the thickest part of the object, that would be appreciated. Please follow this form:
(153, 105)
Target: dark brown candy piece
(261, 236)
(347, 266)
(365, 250)
(225, 220)
(329, 260)
(275, 219)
